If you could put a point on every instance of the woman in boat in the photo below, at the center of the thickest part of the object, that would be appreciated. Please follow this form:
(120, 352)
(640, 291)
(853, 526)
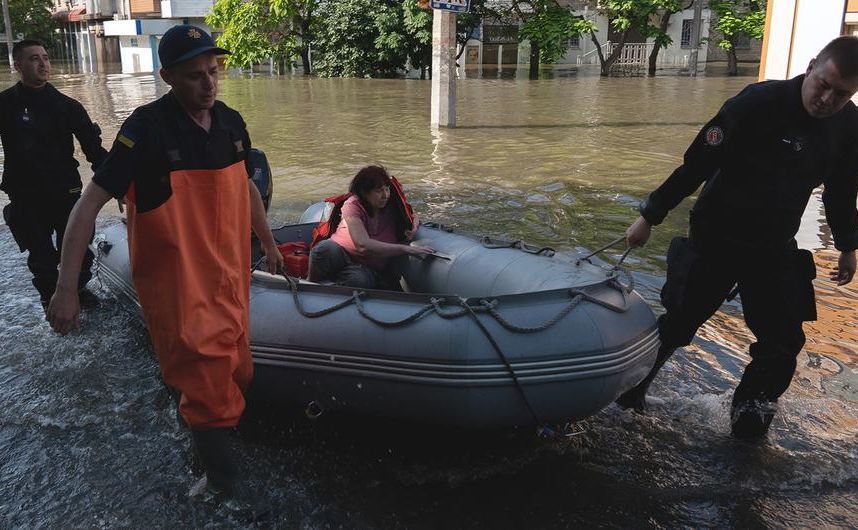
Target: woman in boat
(374, 224)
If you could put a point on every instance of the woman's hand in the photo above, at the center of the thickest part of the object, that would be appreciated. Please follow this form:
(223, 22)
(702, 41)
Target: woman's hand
(418, 250)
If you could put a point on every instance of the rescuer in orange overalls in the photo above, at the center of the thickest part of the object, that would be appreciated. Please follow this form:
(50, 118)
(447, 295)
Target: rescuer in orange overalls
(179, 162)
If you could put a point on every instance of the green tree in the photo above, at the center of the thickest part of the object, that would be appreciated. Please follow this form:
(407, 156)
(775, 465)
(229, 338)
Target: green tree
(254, 30)
(660, 37)
(738, 18)
(625, 16)
(417, 29)
(371, 38)
(32, 18)
(548, 27)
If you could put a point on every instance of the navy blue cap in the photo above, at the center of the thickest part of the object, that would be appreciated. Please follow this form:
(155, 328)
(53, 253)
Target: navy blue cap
(184, 42)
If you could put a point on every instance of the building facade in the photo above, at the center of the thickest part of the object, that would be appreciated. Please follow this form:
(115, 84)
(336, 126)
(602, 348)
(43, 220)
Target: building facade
(797, 29)
(80, 37)
(121, 34)
(496, 45)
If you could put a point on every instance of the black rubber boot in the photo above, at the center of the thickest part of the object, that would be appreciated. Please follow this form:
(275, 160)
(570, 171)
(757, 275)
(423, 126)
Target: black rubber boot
(635, 398)
(750, 420)
(214, 452)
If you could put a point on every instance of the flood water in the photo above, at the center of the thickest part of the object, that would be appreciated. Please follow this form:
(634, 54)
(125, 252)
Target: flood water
(88, 435)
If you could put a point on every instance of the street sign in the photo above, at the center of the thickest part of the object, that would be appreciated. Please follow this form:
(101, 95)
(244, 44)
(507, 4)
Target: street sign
(458, 6)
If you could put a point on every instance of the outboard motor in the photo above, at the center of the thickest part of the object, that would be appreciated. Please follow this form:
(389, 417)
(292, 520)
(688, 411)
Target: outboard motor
(260, 174)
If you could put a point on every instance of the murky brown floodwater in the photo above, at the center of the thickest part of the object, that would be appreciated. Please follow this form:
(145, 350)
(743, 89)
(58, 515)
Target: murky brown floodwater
(87, 433)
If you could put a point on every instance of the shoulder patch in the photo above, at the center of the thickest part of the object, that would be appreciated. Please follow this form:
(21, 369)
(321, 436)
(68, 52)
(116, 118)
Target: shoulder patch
(133, 130)
(128, 136)
(714, 136)
(126, 141)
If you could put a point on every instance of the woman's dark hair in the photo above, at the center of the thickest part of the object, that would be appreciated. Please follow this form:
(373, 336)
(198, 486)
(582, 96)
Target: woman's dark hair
(366, 180)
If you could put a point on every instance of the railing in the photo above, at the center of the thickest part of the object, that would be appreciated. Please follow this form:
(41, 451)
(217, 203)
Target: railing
(632, 59)
(588, 57)
(634, 53)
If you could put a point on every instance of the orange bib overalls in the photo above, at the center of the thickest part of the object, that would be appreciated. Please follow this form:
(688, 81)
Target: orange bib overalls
(190, 262)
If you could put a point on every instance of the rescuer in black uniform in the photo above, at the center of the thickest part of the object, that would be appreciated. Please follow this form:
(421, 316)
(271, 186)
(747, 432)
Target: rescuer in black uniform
(759, 159)
(40, 173)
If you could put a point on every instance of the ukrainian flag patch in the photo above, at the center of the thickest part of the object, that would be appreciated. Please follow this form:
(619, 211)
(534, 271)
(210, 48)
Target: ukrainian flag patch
(125, 140)
(128, 134)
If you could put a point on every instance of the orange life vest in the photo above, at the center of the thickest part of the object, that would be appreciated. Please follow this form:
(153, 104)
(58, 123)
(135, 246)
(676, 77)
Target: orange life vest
(405, 218)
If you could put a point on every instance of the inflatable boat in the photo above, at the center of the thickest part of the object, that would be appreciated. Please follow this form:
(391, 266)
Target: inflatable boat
(487, 334)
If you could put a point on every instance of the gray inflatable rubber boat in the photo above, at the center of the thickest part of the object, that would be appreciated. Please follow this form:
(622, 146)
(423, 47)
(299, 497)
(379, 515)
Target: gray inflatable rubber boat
(498, 335)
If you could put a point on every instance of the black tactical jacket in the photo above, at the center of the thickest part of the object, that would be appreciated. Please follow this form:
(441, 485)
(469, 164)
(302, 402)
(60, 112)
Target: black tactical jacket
(760, 158)
(36, 128)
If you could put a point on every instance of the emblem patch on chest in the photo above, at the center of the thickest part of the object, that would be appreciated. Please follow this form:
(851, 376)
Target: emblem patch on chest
(714, 136)
(795, 144)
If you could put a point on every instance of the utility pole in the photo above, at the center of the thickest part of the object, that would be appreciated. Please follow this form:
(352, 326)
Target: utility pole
(8, 23)
(695, 38)
(443, 69)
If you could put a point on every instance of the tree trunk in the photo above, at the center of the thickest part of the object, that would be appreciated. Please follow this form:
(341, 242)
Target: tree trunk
(306, 40)
(608, 61)
(615, 54)
(422, 72)
(534, 61)
(604, 71)
(653, 55)
(653, 59)
(305, 60)
(732, 61)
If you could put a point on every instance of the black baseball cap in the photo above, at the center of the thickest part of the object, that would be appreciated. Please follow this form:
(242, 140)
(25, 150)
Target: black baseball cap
(184, 42)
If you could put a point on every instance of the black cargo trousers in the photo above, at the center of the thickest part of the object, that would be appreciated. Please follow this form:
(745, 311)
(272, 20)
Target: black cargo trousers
(777, 295)
(34, 222)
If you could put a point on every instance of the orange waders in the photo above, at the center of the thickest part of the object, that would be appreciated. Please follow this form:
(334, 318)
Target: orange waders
(190, 261)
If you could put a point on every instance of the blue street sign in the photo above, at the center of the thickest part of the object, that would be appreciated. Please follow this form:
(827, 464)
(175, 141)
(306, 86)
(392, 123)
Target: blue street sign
(459, 6)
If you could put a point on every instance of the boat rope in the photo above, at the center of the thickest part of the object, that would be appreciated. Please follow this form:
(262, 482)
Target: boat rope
(435, 305)
(102, 248)
(490, 307)
(519, 244)
(544, 428)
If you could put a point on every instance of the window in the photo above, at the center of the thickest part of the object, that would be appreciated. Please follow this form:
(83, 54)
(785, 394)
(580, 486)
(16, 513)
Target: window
(574, 42)
(685, 37)
(500, 34)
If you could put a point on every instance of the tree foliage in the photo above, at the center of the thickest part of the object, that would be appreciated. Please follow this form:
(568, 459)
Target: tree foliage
(626, 16)
(372, 38)
(417, 28)
(736, 18)
(549, 27)
(254, 30)
(32, 18)
(660, 37)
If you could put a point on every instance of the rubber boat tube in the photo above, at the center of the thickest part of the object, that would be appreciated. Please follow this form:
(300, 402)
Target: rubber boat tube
(493, 337)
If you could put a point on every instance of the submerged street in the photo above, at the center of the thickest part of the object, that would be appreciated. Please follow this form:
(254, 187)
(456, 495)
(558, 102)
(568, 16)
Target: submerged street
(89, 436)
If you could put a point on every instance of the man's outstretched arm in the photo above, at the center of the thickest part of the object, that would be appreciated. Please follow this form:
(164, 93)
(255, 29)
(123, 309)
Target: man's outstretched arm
(64, 309)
